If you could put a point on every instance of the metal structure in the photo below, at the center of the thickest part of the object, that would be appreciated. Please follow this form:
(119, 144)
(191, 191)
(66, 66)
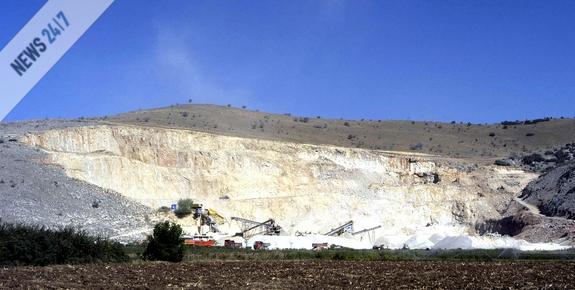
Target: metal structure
(207, 217)
(369, 231)
(244, 223)
(251, 228)
(345, 228)
(366, 230)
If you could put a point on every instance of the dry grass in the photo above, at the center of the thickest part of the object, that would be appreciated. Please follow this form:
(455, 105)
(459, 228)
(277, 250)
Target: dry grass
(484, 142)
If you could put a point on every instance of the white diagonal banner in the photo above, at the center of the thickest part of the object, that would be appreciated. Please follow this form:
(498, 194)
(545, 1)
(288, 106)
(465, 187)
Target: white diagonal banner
(41, 43)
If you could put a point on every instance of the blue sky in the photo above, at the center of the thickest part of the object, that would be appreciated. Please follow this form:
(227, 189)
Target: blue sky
(479, 61)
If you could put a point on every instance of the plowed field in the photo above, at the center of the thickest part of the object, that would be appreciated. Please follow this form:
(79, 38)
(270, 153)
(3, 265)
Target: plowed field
(295, 275)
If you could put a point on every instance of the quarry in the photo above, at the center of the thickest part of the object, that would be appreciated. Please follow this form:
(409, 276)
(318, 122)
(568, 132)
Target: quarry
(327, 144)
(394, 198)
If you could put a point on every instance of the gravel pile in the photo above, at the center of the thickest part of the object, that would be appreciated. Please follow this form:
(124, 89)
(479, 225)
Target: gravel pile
(32, 192)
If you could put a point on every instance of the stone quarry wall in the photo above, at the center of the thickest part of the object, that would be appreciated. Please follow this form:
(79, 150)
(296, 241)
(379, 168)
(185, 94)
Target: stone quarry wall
(307, 188)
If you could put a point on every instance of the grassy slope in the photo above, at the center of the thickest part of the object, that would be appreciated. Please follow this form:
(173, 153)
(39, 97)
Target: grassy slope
(445, 139)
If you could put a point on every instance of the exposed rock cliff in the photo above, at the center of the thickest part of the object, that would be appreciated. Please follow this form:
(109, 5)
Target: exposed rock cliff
(304, 187)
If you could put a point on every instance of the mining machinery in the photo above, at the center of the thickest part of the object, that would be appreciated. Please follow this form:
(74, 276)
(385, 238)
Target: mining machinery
(345, 228)
(370, 232)
(251, 228)
(207, 217)
(365, 231)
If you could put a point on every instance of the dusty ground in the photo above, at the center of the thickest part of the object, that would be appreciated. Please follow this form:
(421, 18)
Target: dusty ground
(297, 274)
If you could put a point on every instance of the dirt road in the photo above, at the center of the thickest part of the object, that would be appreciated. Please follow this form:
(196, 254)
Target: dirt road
(296, 274)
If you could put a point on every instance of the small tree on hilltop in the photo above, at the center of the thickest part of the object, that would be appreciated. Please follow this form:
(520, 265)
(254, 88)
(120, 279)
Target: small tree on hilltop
(165, 244)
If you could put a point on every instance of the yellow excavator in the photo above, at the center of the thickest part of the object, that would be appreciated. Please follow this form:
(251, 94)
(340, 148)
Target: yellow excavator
(209, 217)
(216, 216)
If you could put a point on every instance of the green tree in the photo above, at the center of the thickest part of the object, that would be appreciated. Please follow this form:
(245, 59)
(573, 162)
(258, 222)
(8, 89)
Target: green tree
(184, 207)
(166, 243)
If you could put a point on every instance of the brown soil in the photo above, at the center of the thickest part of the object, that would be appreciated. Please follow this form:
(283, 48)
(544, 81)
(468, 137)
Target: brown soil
(296, 274)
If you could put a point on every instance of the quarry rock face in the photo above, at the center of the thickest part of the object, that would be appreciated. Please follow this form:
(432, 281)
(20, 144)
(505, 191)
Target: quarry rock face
(305, 188)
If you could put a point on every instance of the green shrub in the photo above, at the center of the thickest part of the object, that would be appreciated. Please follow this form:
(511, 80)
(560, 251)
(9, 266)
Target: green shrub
(184, 207)
(165, 244)
(33, 245)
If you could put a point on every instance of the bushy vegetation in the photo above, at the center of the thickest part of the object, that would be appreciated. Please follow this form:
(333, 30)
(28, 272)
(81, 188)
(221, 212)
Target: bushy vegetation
(219, 253)
(417, 146)
(39, 246)
(165, 244)
(184, 207)
(526, 122)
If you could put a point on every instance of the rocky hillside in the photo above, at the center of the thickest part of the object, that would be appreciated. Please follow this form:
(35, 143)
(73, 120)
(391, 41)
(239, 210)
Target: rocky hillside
(554, 192)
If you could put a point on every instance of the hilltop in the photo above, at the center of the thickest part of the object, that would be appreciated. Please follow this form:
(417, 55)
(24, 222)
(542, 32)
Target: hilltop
(476, 141)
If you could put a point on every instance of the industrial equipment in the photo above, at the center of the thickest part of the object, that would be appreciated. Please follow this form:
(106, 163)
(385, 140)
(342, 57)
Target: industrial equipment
(200, 241)
(259, 245)
(369, 231)
(345, 228)
(365, 230)
(232, 244)
(207, 217)
(251, 228)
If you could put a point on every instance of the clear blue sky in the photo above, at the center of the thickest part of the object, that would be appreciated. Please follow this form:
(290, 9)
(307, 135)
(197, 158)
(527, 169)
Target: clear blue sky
(479, 61)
